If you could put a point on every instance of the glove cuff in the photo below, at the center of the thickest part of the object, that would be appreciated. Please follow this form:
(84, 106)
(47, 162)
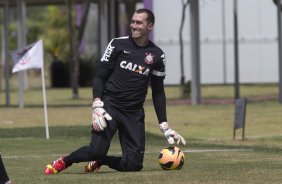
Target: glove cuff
(97, 104)
(164, 127)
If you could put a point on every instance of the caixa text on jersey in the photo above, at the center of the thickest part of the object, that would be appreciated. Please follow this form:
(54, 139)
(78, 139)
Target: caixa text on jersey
(134, 67)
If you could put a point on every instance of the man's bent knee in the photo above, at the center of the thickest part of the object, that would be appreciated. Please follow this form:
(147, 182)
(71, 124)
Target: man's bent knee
(132, 162)
(130, 166)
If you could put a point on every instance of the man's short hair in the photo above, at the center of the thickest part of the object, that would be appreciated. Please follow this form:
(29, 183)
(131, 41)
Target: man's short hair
(150, 15)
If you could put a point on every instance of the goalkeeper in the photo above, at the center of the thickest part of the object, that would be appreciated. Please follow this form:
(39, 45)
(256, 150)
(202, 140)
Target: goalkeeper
(119, 91)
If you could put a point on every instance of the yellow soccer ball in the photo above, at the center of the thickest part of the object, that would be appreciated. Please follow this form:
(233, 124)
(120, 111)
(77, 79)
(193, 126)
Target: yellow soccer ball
(171, 158)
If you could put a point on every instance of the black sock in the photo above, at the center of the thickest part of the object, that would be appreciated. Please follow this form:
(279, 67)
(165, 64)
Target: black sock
(83, 154)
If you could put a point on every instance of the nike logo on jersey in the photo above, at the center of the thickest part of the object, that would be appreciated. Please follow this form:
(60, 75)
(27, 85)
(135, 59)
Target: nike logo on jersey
(126, 52)
(134, 67)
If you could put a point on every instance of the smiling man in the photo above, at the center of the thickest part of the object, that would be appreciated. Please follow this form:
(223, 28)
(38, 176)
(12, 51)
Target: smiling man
(119, 91)
(142, 23)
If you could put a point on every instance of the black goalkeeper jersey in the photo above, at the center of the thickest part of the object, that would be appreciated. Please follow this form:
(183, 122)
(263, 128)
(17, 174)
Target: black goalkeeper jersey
(132, 66)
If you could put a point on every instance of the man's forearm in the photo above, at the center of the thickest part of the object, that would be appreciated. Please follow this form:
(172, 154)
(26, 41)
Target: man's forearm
(159, 101)
(102, 75)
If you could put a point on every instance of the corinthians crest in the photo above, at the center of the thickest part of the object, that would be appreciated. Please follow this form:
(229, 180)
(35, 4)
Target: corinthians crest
(149, 59)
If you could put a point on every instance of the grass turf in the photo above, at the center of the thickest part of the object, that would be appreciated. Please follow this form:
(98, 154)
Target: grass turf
(205, 162)
(212, 157)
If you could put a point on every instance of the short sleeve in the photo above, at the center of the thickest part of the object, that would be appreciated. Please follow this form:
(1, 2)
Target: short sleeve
(159, 70)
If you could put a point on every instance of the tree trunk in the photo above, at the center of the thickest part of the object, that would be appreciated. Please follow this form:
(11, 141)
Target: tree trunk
(74, 63)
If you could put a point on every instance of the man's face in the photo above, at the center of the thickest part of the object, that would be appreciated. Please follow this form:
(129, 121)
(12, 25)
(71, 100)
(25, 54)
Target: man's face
(139, 25)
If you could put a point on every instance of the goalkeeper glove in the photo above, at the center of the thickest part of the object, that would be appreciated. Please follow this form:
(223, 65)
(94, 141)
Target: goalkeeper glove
(99, 114)
(171, 135)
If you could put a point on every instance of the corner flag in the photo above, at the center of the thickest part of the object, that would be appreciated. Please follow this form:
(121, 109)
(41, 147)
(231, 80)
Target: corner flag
(29, 57)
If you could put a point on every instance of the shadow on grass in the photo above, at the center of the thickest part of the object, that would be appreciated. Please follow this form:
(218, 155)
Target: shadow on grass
(39, 132)
(58, 132)
(49, 105)
(64, 132)
(114, 171)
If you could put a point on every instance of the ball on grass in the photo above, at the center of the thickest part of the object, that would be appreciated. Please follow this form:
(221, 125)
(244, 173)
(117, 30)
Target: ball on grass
(171, 158)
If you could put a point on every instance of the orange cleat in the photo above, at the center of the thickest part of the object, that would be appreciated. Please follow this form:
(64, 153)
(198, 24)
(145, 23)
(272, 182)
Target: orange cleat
(55, 167)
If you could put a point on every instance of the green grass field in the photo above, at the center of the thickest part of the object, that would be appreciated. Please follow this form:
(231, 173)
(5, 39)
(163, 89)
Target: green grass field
(211, 156)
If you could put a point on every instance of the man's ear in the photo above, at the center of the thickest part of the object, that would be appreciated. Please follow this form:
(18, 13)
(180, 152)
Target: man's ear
(150, 26)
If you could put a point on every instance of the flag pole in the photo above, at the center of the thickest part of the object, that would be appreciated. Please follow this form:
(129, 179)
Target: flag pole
(45, 103)
(28, 58)
(21, 89)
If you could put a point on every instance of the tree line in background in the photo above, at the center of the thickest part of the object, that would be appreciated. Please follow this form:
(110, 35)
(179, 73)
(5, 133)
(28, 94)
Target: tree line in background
(55, 25)
(62, 36)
